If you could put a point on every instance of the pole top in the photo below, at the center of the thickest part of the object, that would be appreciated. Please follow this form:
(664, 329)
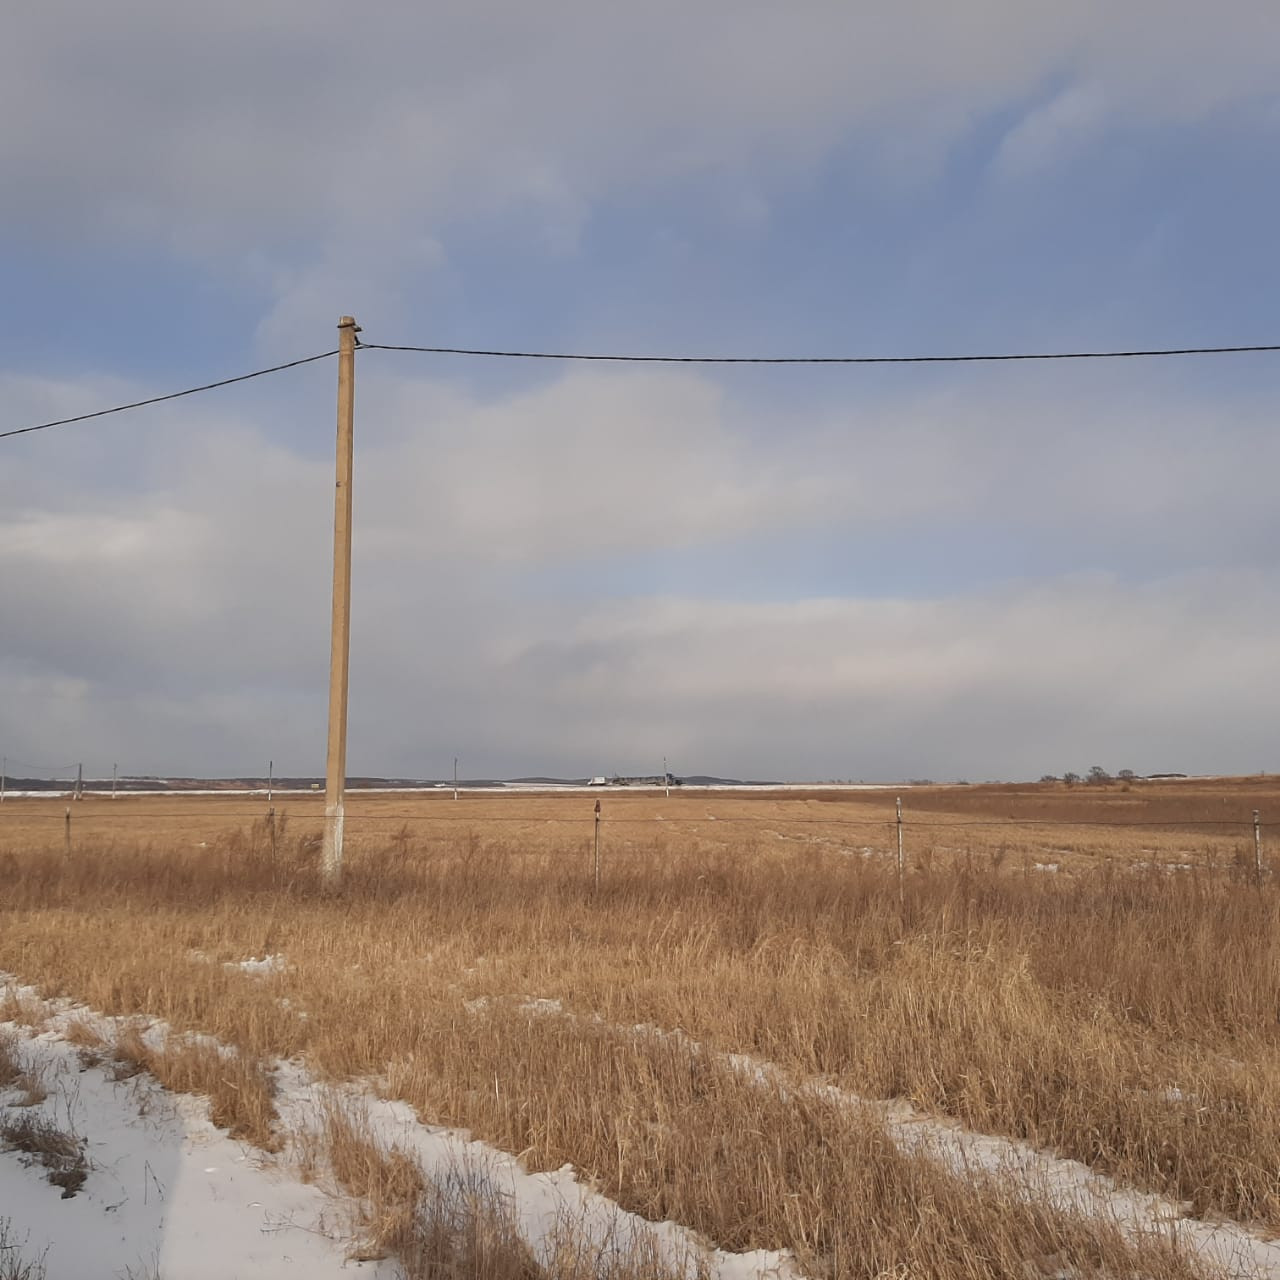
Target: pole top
(349, 322)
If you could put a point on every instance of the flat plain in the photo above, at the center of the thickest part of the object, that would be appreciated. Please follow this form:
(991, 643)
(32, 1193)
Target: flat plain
(728, 1028)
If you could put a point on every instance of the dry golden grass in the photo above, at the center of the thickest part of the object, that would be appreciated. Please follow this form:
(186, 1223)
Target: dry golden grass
(22, 1010)
(238, 1087)
(18, 1074)
(676, 1133)
(10, 1062)
(83, 1034)
(1169, 823)
(1117, 1014)
(459, 1224)
(388, 1184)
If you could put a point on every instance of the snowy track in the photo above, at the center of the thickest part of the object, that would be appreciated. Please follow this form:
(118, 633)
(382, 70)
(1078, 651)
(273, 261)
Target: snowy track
(166, 1194)
(169, 1194)
(1039, 1175)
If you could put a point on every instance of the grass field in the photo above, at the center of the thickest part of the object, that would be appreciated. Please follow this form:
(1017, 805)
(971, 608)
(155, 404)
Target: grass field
(1121, 1010)
(1208, 823)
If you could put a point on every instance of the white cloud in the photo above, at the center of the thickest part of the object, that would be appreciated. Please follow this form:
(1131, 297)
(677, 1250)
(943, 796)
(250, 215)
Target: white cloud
(1010, 683)
(581, 467)
(174, 614)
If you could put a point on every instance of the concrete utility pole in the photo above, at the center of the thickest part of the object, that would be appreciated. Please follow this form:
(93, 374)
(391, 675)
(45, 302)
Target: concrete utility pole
(902, 863)
(336, 764)
(1257, 847)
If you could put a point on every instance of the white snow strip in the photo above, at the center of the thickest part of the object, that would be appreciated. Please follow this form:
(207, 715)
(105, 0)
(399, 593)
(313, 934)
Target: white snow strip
(542, 1202)
(1040, 1175)
(167, 1193)
(170, 1191)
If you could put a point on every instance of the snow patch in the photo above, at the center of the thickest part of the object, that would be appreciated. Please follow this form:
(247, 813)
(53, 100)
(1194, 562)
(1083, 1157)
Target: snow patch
(542, 1203)
(169, 1193)
(268, 964)
(1039, 1176)
(166, 1192)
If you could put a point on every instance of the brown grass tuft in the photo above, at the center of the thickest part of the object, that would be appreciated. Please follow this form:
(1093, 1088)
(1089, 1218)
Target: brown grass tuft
(83, 1034)
(23, 1010)
(20, 1074)
(61, 1153)
(10, 1063)
(458, 1227)
(240, 1089)
(387, 1182)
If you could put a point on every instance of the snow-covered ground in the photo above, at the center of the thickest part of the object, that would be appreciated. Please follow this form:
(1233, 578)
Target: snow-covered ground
(168, 1194)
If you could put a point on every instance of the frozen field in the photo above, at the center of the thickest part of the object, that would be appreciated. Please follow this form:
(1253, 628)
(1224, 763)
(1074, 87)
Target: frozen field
(750, 1050)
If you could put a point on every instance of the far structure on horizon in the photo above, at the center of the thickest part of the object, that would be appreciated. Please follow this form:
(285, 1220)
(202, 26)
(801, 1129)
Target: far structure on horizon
(650, 780)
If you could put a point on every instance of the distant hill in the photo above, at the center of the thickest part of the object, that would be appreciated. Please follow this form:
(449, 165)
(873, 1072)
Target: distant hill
(151, 783)
(551, 782)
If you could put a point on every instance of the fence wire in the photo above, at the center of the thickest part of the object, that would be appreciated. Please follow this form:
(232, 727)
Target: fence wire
(247, 809)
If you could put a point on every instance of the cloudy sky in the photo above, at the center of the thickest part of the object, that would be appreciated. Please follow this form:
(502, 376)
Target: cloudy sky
(967, 571)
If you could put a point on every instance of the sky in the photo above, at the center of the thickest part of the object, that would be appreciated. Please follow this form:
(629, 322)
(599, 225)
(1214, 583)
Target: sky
(795, 573)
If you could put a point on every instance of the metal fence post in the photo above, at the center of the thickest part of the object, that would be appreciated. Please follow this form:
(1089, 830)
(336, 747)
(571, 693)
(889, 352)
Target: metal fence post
(597, 846)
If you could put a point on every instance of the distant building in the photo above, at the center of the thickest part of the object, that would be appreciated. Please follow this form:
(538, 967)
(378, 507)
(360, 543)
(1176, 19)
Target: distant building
(652, 780)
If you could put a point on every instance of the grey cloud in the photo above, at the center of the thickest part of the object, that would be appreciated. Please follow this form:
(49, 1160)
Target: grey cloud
(1005, 684)
(1051, 131)
(178, 619)
(290, 130)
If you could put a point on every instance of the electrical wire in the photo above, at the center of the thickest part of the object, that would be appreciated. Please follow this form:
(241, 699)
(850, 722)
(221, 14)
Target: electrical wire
(657, 359)
(961, 359)
(173, 395)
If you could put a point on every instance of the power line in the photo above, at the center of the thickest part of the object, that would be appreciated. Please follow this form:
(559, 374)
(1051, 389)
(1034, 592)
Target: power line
(972, 359)
(658, 359)
(173, 395)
